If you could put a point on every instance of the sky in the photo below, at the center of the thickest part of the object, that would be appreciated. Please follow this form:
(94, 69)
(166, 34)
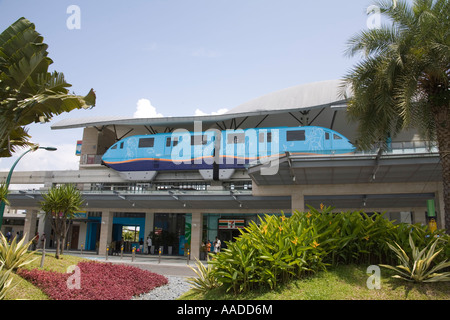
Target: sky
(153, 58)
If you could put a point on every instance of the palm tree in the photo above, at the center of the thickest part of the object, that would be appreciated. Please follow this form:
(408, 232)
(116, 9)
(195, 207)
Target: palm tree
(60, 205)
(29, 93)
(402, 81)
(4, 193)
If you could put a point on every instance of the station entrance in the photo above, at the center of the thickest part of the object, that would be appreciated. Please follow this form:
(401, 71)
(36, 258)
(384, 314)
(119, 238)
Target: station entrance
(128, 230)
(169, 233)
(228, 235)
(229, 229)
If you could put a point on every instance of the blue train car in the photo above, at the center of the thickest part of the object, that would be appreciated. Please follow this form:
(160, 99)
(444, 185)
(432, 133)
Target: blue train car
(213, 149)
(241, 147)
(163, 151)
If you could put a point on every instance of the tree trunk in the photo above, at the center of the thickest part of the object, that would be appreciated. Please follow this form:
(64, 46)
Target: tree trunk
(442, 118)
(63, 236)
(58, 244)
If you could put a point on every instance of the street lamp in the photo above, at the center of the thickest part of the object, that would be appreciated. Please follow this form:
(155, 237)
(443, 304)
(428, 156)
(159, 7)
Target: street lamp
(8, 179)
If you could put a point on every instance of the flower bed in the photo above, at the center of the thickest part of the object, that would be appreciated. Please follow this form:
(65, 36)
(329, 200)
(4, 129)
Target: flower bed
(97, 281)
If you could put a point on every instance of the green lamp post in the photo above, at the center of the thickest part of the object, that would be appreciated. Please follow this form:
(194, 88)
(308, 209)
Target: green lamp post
(8, 179)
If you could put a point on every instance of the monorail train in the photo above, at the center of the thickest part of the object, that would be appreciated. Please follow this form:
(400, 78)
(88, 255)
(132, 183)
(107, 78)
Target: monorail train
(214, 150)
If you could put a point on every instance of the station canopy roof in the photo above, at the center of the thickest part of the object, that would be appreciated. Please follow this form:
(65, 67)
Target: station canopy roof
(319, 103)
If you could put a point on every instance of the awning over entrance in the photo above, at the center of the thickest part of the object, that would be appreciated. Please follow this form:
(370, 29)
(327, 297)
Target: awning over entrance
(352, 169)
(183, 200)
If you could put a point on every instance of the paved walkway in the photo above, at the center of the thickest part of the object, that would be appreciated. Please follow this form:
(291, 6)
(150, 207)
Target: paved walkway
(166, 265)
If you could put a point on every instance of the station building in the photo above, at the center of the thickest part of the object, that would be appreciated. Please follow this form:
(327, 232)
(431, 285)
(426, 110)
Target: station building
(181, 210)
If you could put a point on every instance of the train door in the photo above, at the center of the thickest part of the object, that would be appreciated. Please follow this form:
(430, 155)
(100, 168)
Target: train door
(264, 144)
(328, 142)
(251, 146)
(239, 145)
(168, 146)
(235, 148)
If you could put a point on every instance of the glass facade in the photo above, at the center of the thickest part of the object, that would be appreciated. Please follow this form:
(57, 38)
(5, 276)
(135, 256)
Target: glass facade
(169, 232)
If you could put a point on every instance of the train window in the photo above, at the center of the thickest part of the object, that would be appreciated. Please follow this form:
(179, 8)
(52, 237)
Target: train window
(297, 135)
(327, 136)
(336, 137)
(146, 142)
(121, 145)
(234, 138)
(261, 137)
(196, 140)
(168, 141)
(175, 141)
(114, 147)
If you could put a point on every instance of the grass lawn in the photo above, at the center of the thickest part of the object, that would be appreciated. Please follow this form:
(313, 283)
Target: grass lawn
(343, 283)
(27, 291)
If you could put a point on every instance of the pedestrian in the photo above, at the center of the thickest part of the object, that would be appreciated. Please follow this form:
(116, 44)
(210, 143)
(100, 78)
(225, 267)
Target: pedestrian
(217, 245)
(149, 244)
(208, 246)
(8, 236)
(141, 245)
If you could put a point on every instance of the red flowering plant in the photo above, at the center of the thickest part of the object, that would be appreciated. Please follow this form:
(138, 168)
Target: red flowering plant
(98, 281)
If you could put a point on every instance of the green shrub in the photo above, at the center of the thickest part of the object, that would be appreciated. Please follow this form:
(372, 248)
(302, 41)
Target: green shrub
(419, 266)
(275, 250)
(280, 248)
(15, 254)
(5, 281)
(205, 279)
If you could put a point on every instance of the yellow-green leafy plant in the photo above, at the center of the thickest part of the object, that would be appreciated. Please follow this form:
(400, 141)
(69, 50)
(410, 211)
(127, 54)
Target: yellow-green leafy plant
(15, 254)
(205, 279)
(5, 282)
(419, 267)
(4, 193)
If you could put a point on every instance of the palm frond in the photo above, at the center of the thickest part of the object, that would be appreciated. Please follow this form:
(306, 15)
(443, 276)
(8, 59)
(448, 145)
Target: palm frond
(28, 92)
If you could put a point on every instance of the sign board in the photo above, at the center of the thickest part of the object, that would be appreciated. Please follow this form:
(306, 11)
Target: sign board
(231, 223)
(431, 208)
(78, 149)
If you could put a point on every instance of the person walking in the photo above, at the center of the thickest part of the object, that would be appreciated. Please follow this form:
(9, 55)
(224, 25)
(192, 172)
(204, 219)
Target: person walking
(149, 245)
(208, 246)
(141, 246)
(217, 245)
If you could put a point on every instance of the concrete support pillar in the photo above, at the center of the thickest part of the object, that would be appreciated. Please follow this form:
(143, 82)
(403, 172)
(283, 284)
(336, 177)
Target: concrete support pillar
(29, 228)
(105, 231)
(297, 201)
(196, 234)
(440, 207)
(149, 224)
(45, 228)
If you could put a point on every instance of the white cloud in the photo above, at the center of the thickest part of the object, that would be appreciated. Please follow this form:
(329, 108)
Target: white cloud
(199, 112)
(145, 109)
(63, 158)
